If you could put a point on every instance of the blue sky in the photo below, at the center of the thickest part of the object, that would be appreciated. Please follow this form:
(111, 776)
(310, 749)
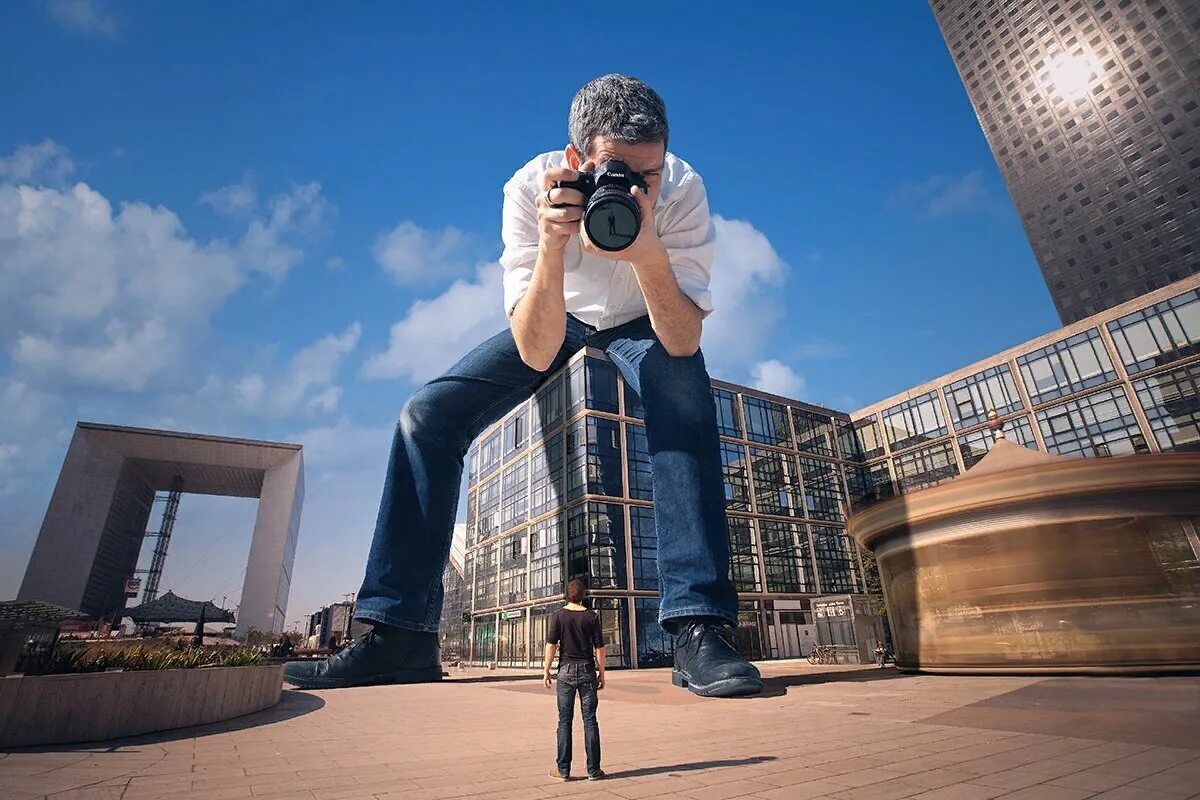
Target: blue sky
(275, 224)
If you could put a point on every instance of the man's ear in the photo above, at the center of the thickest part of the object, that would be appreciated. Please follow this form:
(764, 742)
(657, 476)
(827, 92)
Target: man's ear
(574, 159)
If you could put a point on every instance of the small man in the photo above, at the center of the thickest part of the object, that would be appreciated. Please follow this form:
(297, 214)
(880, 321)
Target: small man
(575, 631)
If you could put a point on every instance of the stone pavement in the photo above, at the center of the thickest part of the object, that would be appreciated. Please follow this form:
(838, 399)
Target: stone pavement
(847, 734)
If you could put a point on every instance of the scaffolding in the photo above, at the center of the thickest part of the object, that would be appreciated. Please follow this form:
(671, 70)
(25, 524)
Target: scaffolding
(154, 574)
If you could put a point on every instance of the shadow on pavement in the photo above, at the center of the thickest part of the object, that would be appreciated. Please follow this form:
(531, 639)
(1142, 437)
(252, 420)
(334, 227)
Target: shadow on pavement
(777, 685)
(291, 704)
(696, 765)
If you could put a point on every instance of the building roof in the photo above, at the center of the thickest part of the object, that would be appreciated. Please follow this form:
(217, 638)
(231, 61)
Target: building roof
(173, 608)
(36, 611)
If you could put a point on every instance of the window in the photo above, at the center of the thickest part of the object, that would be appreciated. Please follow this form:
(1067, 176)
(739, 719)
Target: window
(645, 548)
(485, 576)
(814, 432)
(737, 486)
(488, 522)
(822, 490)
(637, 456)
(472, 513)
(975, 445)
(515, 507)
(539, 622)
(1065, 367)
(1160, 334)
(860, 440)
(513, 562)
(484, 647)
(546, 467)
(835, 560)
(575, 396)
(548, 403)
(489, 454)
(516, 432)
(743, 556)
(546, 556)
(869, 485)
(777, 488)
(1171, 401)
(596, 545)
(633, 403)
(970, 399)
(926, 467)
(656, 647)
(601, 385)
(728, 423)
(510, 639)
(614, 624)
(473, 465)
(1100, 424)
(914, 421)
(786, 556)
(594, 458)
(766, 422)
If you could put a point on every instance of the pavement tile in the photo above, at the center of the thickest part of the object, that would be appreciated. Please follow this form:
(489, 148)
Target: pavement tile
(1047, 792)
(961, 791)
(1131, 792)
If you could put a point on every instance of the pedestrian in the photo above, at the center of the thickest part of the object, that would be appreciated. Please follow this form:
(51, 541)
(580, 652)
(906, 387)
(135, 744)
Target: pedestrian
(574, 634)
(880, 654)
(644, 306)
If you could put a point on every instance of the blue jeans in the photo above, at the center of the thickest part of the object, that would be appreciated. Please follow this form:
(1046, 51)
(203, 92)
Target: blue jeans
(576, 678)
(403, 583)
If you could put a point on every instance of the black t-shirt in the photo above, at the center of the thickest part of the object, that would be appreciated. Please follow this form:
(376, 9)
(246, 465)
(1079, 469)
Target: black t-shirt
(578, 634)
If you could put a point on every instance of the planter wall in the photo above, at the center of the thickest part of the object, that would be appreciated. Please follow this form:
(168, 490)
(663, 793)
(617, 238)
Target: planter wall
(57, 709)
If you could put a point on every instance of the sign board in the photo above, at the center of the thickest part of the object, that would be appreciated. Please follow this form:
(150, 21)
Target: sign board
(512, 614)
(132, 586)
(831, 609)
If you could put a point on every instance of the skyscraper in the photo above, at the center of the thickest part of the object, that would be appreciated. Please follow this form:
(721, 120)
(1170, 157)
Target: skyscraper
(1092, 110)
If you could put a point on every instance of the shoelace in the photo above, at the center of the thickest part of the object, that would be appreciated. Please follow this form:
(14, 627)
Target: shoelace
(723, 632)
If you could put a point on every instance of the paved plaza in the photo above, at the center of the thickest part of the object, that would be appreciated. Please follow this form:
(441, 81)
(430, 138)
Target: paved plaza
(836, 732)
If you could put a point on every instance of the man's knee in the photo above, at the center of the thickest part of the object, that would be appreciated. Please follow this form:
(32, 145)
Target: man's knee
(677, 387)
(420, 420)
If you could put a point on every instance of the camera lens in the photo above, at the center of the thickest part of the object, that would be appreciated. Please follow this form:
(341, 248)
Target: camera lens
(612, 219)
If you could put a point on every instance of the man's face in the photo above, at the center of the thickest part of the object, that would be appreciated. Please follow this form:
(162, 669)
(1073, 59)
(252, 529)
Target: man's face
(646, 159)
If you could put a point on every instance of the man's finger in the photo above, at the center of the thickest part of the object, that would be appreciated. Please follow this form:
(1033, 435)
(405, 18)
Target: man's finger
(562, 228)
(554, 174)
(565, 214)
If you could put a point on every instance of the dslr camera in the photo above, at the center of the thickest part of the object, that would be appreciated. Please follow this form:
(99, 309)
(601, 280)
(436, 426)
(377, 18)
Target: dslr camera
(611, 215)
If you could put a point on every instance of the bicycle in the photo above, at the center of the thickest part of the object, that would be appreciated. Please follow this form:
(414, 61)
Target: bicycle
(822, 654)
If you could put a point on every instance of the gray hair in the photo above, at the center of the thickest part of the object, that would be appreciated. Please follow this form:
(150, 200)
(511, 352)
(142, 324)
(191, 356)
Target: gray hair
(617, 107)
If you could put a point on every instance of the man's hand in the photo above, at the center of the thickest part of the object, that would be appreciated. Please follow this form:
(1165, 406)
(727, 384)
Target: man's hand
(645, 249)
(600, 681)
(548, 680)
(556, 226)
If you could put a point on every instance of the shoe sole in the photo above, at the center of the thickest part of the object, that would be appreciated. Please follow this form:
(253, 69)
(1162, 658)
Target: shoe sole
(728, 687)
(403, 676)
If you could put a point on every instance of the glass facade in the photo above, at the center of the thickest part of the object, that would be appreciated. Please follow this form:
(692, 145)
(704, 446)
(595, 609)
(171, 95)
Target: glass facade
(568, 492)
(563, 487)
(1090, 108)
(1077, 363)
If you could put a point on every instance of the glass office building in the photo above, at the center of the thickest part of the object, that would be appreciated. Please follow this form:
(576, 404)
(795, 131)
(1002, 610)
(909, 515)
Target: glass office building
(561, 487)
(1124, 381)
(1092, 111)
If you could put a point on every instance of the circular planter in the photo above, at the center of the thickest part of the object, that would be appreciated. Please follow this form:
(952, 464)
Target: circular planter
(1038, 563)
(57, 709)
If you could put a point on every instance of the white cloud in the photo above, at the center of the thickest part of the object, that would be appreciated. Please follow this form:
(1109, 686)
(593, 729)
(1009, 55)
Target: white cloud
(305, 385)
(82, 16)
(411, 254)
(436, 333)
(746, 275)
(269, 244)
(235, 200)
(941, 196)
(112, 298)
(42, 163)
(778, 378)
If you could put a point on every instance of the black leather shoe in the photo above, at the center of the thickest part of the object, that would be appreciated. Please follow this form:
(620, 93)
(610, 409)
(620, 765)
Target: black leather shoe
(707, 662)
(383, 655)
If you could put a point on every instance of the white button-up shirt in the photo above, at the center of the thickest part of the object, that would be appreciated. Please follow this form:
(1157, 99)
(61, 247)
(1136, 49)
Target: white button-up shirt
(599, 292)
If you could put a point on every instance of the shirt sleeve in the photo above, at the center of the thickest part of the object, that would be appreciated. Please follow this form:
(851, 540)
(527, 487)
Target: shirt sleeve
(552, 633)
(597, 632)
(687, 232)
(519, 231)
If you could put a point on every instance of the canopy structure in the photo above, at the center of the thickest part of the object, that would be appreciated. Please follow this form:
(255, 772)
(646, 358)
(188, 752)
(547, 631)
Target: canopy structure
(16, 612)
(173, 608)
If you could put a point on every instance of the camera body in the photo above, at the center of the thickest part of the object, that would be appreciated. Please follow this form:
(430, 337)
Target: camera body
(611, 215)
